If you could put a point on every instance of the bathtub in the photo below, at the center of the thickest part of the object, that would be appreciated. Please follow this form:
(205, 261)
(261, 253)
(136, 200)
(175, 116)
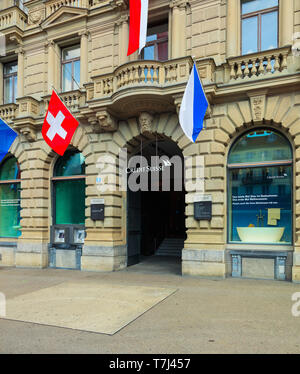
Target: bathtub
(260, 234)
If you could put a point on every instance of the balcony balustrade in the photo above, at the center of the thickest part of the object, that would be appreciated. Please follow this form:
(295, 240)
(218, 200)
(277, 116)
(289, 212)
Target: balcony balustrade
(259, 65)
(72, 99)
(8, 112)
(142, 74)
(13, 16)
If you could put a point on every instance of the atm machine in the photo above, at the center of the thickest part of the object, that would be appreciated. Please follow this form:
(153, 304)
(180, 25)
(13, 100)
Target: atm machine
(66, 242)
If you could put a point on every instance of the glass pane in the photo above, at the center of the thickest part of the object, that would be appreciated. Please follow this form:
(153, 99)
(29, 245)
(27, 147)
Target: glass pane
(8, 90)
(150, 38)
(149, 53)
(70, 202)
(249, 35)
(67, 77)
(70, 164)
(70, 53)
(10, 210)
(249, 6)
(260, 209)
(161, 28)
(269, 30)
(10, 68)
(76, 75)
(260, 146)
(10, 169)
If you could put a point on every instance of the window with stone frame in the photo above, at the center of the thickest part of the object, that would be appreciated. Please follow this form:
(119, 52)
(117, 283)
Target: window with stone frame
(68, 184)
(156, 42)
(10, 198)
(70, 65)
(259, 25)
(10, 82)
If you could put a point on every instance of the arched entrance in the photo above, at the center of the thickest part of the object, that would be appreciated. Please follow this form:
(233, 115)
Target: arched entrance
(155, 201)
(68, 211)
(260, 181)
(10, 198)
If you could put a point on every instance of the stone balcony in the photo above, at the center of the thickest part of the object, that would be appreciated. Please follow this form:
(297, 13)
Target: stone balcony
(12, 18)
(140, 85)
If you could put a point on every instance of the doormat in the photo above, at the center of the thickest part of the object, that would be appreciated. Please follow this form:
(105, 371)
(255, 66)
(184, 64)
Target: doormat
(87, 306)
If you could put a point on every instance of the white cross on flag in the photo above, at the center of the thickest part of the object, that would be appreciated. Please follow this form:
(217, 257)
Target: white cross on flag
(59, 125)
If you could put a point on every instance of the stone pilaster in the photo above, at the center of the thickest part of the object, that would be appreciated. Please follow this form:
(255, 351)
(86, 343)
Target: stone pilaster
(178, 28)
(51, 66)
(233, 28)
(286, 22)
(83, 58)
(20, 53)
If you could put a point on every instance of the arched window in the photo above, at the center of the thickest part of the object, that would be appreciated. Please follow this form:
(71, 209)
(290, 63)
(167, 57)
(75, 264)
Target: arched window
(260, 188)
(10, 188)
(69, 189)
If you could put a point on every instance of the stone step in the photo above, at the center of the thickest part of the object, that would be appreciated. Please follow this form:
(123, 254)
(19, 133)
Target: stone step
(170, 247)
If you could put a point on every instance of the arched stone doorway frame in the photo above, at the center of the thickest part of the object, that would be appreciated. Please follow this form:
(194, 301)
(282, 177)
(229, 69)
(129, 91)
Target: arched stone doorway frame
(266, 125)
(229, 121)
(165, 126)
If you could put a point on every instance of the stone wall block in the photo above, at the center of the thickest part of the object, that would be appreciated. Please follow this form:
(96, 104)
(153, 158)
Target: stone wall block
(235, 115)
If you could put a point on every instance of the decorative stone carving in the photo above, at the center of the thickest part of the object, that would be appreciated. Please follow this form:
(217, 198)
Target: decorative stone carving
(178, 3)
(118, 4)
(258, 107)
(146, 122)
(103, 122)
(106, 121)
(29, 133)
(35, 17)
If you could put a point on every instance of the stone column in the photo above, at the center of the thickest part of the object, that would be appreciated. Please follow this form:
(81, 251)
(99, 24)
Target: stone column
(104, 248)
(233, 28)
(178, 48)
(20, 53)
(51, 66)
(286, 22)
(83, 58)
(32, 245)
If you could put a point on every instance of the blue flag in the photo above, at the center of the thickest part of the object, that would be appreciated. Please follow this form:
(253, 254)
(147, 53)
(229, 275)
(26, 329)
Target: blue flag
(7, 137)
(193, 107)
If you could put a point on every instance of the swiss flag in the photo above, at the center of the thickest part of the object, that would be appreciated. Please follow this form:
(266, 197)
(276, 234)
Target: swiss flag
(59, 125)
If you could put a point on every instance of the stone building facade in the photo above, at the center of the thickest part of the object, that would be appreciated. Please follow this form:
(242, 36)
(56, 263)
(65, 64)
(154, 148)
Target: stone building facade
(257, 93)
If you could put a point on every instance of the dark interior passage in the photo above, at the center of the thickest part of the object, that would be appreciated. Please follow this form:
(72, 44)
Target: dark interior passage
(155, 220)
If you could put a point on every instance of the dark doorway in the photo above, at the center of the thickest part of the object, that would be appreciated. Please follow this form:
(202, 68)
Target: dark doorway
(156, 219)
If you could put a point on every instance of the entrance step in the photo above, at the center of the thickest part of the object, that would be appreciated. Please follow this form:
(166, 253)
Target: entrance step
(170, 247)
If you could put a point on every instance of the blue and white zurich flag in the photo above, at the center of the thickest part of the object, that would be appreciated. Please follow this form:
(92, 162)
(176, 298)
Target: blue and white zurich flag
(7, 137)
(193, 107)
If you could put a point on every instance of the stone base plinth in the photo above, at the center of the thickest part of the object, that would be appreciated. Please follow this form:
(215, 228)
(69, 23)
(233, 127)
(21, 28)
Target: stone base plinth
(33, 255)
(100, 258)
(8, 254)
(204, 263)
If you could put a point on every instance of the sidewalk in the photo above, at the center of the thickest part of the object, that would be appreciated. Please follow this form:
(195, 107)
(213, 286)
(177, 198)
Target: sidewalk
(200, 316)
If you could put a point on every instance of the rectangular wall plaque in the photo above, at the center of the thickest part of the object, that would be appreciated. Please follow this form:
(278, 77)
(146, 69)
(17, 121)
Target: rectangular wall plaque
(203, 207)
(97, 209)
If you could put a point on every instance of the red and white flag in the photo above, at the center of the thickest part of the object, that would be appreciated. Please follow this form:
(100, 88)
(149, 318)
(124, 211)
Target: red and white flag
(59, 125)
(138, 12)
